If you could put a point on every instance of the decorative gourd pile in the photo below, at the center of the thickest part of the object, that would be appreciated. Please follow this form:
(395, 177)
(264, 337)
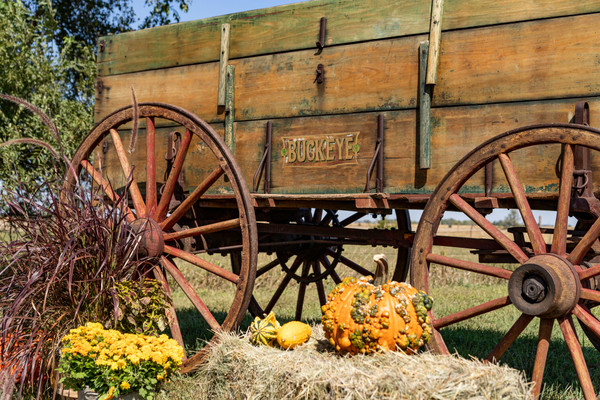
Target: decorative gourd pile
(367, 315)
(265, 331)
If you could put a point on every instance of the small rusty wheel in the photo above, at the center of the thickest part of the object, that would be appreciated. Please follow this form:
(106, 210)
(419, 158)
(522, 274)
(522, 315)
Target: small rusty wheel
(102, 158)
(315, 259)
(546, 280)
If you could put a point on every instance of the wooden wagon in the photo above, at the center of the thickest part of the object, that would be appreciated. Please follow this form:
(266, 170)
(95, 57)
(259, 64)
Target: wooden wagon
(299, 120)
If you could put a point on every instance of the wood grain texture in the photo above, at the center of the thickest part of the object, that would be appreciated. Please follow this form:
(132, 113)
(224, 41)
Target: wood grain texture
(455, 131)
(519, 62)
(296, 26)
(357, 78)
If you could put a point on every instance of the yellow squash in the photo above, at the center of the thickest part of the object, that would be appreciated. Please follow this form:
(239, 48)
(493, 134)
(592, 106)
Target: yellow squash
(293, 333)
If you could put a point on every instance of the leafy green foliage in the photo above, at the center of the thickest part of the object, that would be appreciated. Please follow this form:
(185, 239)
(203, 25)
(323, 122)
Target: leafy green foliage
(47, 57)
(31, 67)
(143, 307)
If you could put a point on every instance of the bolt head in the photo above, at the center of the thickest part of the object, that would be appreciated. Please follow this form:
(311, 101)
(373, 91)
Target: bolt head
(534, 289)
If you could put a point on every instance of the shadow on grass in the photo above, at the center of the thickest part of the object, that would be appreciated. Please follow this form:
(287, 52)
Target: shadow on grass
(559, 373)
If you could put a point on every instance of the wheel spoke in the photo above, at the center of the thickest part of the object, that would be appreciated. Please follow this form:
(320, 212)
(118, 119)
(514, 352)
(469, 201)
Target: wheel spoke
(286, 279)
(588, 319)
(353, 218)
(469, 266)
(510, 337)
(263, 270)
(169, 189)
(336, 278)
(327, 220)
(150, 166)
(320, 285)
(487, 226)
(175, 328)
(199, 262)
(541, 355)
(317, 216)
(589, 273)
(559, 238)
(134, 190)
(351, 264)
(589, 294)
(533, 230)
(108, 190)
(471, 312)
(201, 230)
(302, 291)
(585, 243)
(190, 293)
(566, 326)
(184, 207)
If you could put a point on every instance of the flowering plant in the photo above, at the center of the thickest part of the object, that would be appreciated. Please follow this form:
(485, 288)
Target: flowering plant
(112, 363)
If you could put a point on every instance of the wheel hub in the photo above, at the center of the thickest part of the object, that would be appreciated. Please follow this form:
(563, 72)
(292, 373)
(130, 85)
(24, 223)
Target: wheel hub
(151, 241)
(546, 286)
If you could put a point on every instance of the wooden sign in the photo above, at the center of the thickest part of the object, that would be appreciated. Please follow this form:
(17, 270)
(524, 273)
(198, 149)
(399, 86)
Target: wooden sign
(320, 150)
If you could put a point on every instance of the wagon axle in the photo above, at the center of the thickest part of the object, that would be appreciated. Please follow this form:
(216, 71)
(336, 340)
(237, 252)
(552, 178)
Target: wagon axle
(546, 286)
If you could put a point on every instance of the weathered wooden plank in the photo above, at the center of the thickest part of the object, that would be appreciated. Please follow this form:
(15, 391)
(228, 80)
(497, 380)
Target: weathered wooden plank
(524, 61)
(424, 111)
(192, 87)
(519, 62)
(435, 37)
(296, 26)
(223, 61)
(357, 78)
(455, 132)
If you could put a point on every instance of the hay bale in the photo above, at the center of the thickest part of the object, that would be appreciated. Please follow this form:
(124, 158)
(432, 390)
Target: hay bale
(235, 369)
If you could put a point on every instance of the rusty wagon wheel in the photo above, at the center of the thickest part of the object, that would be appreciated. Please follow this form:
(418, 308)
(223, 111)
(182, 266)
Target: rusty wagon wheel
(548, 281)
(159, 214)
(313, 260)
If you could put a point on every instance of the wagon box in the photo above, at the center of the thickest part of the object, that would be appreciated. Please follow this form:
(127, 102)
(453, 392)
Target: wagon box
(275, 130)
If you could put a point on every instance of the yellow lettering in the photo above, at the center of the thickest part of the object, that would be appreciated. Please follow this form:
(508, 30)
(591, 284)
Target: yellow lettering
(301, 150)
(321, 144)
(292, 156)
(348, 156)
(310, 150)
(330, 148)
(340, 145)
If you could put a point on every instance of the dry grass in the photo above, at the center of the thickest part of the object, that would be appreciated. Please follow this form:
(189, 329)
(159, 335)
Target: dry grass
(236, 369)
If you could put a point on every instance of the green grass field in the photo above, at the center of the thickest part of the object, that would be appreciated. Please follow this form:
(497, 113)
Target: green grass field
(453, 290)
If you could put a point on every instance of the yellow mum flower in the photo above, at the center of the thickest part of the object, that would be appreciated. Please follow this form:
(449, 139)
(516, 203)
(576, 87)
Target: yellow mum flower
(125, 385)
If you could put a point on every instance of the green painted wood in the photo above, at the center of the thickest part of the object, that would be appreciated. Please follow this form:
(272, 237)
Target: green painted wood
(532, 60)
(424, 108)
(223, 62)
(296, 26)
(230, 108)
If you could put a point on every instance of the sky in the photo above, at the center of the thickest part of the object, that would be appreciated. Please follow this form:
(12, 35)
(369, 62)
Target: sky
(200, 9)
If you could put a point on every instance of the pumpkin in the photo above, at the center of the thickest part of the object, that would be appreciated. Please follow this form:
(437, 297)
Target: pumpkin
(293, 334)
(367, 315)
(264, 331)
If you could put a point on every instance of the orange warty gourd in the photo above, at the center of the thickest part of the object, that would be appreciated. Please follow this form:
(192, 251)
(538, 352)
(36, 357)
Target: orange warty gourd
(365, 315)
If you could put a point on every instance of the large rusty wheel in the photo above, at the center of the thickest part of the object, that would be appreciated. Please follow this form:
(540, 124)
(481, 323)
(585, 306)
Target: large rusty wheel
(314, 260)
(548, 281)
(159, 215)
